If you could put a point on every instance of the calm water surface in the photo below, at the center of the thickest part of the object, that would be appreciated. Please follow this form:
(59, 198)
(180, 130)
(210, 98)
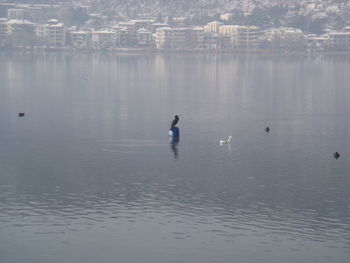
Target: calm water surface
(88, 175)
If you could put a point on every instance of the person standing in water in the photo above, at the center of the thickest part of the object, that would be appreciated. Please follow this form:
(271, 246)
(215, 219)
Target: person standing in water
(174, 122)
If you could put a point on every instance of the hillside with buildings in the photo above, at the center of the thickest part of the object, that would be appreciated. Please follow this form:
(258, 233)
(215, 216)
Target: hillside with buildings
(242, 25)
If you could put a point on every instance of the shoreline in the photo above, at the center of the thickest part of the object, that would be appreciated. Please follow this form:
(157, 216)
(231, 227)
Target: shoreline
(174, 51)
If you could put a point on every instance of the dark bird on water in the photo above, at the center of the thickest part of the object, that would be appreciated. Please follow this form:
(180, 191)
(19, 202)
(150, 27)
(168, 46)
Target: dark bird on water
(174, 122)
(21, 114)
(267, 129)
(336, 155)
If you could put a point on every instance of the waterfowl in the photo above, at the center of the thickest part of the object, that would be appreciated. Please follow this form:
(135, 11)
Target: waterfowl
(174, 122)
(225, 141)
(336, 155)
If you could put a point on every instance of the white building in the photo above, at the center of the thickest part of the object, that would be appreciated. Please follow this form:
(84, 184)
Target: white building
(212, 27)
(144, 38)
(211, 40)
(340, 39)
(286, 37)
(246, 37)
(197, 37)
(179, 38)
(103, 39)
(53, 33)
(226, 17)
(315, 42)
(3, 28)
(155, 26)
(164, 37)
(17, 13)
(80, 39)
(19, 32)
(228, 30)
(134, 25)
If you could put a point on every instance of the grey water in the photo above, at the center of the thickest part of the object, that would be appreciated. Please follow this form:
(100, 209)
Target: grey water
(89, 175)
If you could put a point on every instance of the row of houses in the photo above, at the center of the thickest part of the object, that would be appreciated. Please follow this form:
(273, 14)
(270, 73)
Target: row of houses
(149, 35)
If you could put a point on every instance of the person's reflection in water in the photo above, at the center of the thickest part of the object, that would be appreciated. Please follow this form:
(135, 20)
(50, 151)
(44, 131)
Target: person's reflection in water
(174, 142)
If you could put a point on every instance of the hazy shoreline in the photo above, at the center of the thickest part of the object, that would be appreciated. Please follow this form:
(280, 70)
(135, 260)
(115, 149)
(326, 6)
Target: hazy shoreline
(171, 51)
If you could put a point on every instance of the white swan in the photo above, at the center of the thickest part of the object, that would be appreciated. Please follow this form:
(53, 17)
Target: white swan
(226, 141)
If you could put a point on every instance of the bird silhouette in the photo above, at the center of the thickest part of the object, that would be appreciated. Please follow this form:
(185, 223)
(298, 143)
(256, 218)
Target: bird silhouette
(336, 155)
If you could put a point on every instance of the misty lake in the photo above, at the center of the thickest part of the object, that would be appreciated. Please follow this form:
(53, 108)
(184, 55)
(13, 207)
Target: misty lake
(88, 174)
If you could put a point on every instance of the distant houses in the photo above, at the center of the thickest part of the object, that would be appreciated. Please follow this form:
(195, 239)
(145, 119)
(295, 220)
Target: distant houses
(149, 35)
(25, 25)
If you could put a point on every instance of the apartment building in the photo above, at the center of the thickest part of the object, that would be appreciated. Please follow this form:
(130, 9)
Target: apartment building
(227, 30)
(213, 27)
(126, 37)
(211, 40)
(179, 38)
(4, 7)
(52, 34)
(103, 39)
(315, 42)
(233, 36)
(340, 40)
(164, 38)
(3, 27)
(245, 37)
(286, 38)
(19, 32)
(80, 39)
(144, 38)
(226, 17)
(18, 13)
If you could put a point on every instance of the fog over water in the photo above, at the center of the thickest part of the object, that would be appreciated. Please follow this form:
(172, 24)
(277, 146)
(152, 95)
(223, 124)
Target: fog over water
(88, 174)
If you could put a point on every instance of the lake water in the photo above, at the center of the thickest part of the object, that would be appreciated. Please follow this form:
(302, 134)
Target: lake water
(88, 174)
